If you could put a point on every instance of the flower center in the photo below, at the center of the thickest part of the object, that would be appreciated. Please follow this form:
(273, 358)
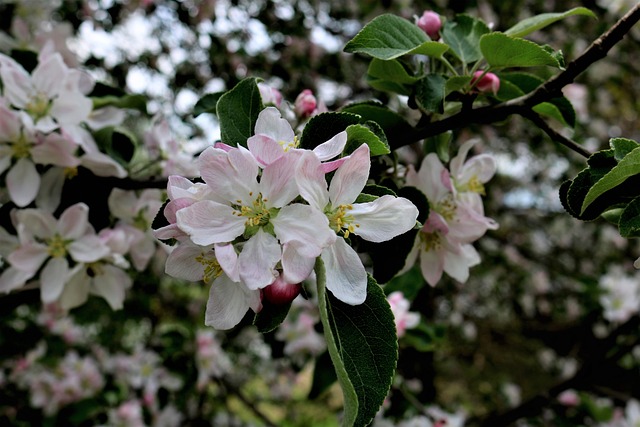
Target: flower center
(446, 208)
(21, 148)
(287, 145)
(57, 246)
(38, 106)
(212, 268)
(473, 185)
(431, 241)
(341, 221)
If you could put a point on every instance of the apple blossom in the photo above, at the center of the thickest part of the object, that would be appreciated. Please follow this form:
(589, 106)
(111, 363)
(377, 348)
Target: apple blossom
(376, 221)
(274, 136)
(403, 317)
(305, 104)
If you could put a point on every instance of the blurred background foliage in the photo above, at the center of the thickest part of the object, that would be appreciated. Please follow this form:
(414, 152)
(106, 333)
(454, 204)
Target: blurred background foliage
(528, 317)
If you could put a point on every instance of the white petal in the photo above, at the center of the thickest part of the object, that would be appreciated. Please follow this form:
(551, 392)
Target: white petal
(76, 291)
(265, 149)
(346, 276)
(277, 183)
(208, 222)
(258, 260)
(227, 304)
(74, 221)
(228, 260)
(306, 225)
(12, 278)
(23, 182)
(52, 279)
(311, 181)
(331, 148)
(351, 177)
(271, 124)
(111, 285)
(295, 267)
(29, 257)
(88, 248)
(181, 262)
(384, 218)
(432, 266)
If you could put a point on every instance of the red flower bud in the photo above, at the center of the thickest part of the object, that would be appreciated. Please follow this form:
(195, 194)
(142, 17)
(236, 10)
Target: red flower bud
(305, 104)
(281, 292)
(430, 23)
(487, 83)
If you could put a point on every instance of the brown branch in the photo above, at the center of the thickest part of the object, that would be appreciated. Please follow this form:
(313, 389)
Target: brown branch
(550, 89)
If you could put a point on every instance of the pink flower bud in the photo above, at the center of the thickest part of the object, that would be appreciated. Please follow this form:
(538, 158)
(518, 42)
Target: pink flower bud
(305, 104)
(430, 23)
(487, 83)
(281, 292)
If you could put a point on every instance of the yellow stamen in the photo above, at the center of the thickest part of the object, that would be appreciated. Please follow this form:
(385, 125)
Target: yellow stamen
(212, 268)
(57, 246)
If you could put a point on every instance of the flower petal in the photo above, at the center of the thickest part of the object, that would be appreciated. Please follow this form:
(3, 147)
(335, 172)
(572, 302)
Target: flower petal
(23, 182)
(227, 304)
(295, 267)
(331, 148)
(351, 177)
(258, 260)
(346, 276)
(383, 218)
(208, 222)
(306, 225)
(52, 279)
(312, 184)
(111, 285)
(182, 264)
(74, 221)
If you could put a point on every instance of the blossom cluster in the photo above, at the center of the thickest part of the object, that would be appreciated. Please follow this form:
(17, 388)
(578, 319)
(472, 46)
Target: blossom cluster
(456, 216)
(263, 214)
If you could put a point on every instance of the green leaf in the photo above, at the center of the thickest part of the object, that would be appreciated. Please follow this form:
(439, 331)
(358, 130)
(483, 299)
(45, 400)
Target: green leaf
(395, 127)
(350, 397)
(118, 143)
(391, 70)
(430, 92)
(439, 144)
(324, 126)
(365, 345)
(324, 375)
(622, 146)
(559, 109)
(456, 83)
(134, 102)
(502, 51)
(207, 104)
(629, 223)
(238, 111)
(534, 23)
(369, 133)
(463, 36)
(628, 167)
(270, 316)
(389, 36)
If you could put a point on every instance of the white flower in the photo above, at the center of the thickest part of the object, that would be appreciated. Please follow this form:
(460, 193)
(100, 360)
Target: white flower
(45, 241)
(621, 295)
(376, 221)
(257, 210)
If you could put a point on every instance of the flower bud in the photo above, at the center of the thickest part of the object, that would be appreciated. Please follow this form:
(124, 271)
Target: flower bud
(430, 23)
(281, 292)
(487, 83)
(305, 104)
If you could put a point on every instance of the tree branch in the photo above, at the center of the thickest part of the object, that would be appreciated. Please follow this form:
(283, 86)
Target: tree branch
(550, 89)
(555, 135)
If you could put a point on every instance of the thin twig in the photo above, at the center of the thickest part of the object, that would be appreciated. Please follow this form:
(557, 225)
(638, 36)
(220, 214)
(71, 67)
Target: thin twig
(555, 135)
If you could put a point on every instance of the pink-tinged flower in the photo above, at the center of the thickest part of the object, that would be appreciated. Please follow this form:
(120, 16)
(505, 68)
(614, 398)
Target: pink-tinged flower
(463, 212)
(431, 23)
(172, 157)
(403, 317)
(274, 136)
(50, 242)
(21, 149)
(486, 82)
(50, 96)
(258, 210)
(135, 215)
(269, 94)
(376, 221)
(93, 159)
(438, 252)
(211, 360)
(305, 104)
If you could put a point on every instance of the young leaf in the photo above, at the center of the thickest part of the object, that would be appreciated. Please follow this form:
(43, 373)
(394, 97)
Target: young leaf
(238, 111)
(134, 102)
(395, 127)
(430, 92)
(622, 146)
(502, 51)
(629, 223)
(628, 167)
(463, 35)
(369, 133)
(389, 36)
(529, 25)
(391, 70)
(207, 104)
